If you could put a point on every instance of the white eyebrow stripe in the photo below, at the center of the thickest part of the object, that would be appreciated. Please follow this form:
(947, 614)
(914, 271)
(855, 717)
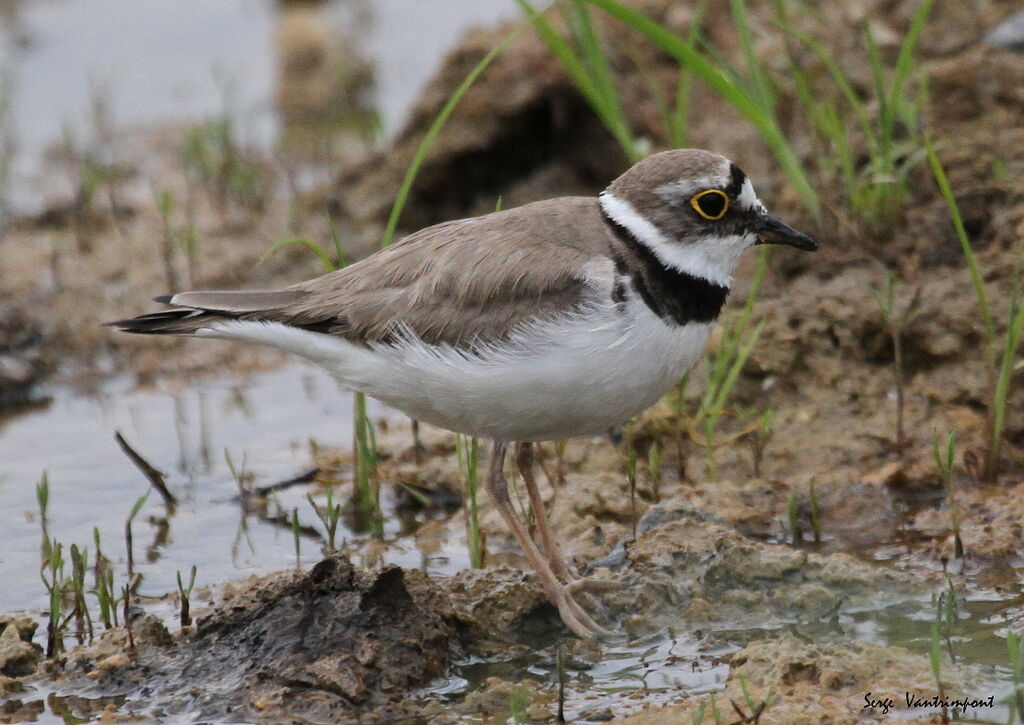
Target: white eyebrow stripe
(748, 199)
(676, 192)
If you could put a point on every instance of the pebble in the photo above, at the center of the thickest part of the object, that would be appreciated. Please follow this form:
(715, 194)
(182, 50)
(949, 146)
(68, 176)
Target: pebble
(17, 657)
(1009, 34)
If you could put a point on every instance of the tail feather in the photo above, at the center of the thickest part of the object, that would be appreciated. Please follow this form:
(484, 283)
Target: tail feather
(196, 310)
(180, 321)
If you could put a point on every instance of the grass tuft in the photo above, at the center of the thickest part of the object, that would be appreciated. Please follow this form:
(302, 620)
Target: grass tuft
(897, 323)
(184, 594)
(725, 363)
(815, 511)
(588, 66)
(366, 498)
(1000, 355)
(876, 182)
(467, 453)
(329, 515)
(945, 457)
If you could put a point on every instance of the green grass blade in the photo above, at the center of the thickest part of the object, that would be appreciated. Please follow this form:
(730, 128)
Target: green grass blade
(604, 81)
(905, 61)
(316, 249)
(987, 319)
(885, 126)
(1011, 343)
(435, 128)
(838, 76)
(678, 127)
(761, 86)
(603, 99)
(139, 503)
(563, 52)
(735, 368)
(339, 249)
(723, 86)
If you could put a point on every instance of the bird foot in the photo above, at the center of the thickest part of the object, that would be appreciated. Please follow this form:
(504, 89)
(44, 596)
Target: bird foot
(575, 618)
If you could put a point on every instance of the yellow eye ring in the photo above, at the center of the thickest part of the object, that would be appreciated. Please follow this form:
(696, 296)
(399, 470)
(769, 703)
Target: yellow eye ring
(712, 212)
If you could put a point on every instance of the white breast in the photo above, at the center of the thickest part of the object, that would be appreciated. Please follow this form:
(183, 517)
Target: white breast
(578, 374)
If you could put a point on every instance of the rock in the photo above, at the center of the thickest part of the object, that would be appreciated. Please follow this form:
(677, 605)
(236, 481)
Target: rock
(689, 560)
(10, 685)
(109, 664)
(25, 624)
(538, 712)
(17, 657)
(1008, 34)
(149, 630)
(495, 601)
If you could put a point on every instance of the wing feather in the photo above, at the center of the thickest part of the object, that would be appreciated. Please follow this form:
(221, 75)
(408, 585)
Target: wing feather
(462, 283)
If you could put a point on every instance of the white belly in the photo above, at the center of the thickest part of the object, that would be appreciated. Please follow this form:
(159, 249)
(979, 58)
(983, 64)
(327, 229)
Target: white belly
(577, 375)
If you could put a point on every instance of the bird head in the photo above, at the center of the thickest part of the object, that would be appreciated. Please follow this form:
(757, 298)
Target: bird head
(697, 211)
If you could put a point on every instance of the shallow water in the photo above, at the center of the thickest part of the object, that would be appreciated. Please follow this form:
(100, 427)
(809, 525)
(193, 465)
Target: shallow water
(667, 667)
(164, 61)
(266, 420)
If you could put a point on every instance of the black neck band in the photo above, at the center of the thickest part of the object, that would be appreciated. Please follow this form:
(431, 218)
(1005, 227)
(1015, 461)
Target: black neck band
(674, 296)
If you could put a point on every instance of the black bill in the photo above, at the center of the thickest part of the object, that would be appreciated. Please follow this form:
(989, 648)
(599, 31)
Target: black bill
(770, 230)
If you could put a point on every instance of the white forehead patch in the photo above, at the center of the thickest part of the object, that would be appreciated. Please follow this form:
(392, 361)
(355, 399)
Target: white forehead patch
(748, 199)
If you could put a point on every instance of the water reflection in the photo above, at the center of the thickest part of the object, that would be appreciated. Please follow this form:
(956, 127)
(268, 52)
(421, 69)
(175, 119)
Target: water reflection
(318, 79)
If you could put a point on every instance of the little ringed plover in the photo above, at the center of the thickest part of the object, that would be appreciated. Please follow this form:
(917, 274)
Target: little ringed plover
(556, 319)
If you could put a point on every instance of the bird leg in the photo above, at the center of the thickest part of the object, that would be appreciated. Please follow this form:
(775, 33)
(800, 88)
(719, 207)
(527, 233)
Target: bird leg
(524, 462)
(577, 620)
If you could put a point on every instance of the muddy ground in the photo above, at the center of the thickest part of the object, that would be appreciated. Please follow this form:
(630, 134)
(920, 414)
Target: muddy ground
(715, 560)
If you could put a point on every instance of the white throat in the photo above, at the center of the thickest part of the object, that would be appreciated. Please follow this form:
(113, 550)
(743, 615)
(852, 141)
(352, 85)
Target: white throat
(710, 258)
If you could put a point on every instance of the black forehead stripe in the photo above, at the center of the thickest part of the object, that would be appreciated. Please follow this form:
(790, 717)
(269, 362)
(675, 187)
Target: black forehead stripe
(736, 179)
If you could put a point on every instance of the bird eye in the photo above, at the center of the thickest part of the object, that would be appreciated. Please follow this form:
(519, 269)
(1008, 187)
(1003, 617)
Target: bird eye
(710, 204)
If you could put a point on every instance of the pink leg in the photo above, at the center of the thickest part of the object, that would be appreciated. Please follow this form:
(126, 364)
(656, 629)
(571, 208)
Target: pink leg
(524, 462)
(571, 612)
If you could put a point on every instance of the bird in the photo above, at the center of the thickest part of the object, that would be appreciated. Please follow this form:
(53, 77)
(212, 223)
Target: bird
(556, 319)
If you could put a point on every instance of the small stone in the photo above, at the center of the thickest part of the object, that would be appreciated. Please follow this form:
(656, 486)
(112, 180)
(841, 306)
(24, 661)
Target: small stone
(888, 475)
(17, 658)
(538, 712)
(10, 686)
(1008, 34)
(24, 623)
(147, 629)
(108, 664)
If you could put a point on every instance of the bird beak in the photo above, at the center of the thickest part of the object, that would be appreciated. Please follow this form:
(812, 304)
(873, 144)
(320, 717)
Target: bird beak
(770, 230)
